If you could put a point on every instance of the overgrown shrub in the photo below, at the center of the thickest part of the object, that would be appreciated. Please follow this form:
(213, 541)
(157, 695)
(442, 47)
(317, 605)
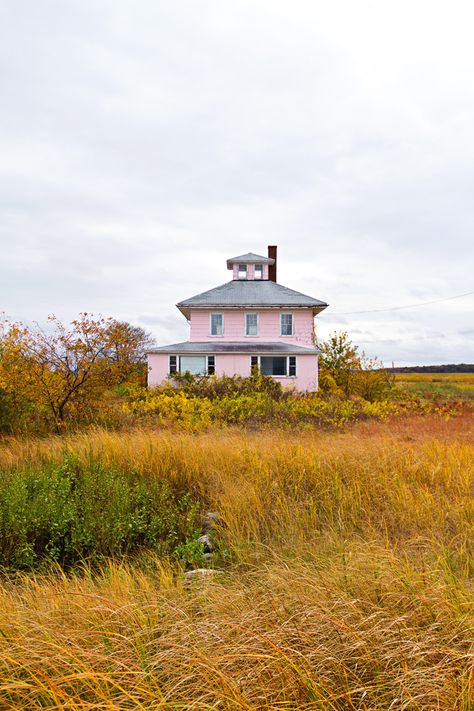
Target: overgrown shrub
(213, 387)
(172, 405)
(345, 370)
(79, 511)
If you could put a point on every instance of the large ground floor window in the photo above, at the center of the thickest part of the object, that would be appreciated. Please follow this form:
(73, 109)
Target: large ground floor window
(275, 365)
(194, 364)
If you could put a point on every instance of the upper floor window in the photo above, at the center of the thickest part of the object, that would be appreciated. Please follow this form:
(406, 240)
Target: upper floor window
(251, 324)
(258, 271)
(286, 324)
(217, 324)
(242, 271)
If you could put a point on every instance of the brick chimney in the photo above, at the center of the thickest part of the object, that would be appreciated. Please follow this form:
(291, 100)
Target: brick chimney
(272, 268)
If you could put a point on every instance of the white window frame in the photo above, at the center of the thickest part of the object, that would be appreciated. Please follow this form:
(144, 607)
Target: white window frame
(176, 364)
(260, 267)
(287, 335)
(245, 271)
(251, 335)
(216, 313)
(276, 355)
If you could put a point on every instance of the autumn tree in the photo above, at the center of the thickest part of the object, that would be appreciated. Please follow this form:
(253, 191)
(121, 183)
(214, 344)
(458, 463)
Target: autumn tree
(65, 370)
(351, 370)
(127, 348)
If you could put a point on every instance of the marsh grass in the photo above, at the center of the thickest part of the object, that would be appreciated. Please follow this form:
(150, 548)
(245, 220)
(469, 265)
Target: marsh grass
(346, 581)
(437, 386)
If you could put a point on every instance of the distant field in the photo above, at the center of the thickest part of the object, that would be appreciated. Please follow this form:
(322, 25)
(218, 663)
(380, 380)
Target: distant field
(437, 385)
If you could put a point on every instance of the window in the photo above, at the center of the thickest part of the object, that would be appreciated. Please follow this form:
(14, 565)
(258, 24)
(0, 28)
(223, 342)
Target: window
(242, 271)
(292, 366)
(211, 365)
(258, 272)
(273, 365)
(196, 365)
(217, 324)
(282, 366)
(251, 324)
(286, 324)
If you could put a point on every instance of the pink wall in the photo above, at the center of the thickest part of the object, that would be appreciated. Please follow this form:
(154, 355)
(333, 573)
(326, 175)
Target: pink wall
(239, 364)
(269, 326)
(157, 368)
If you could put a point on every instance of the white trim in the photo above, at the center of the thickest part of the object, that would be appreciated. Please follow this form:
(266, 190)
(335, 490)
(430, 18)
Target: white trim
(211, 314)
(253, 313)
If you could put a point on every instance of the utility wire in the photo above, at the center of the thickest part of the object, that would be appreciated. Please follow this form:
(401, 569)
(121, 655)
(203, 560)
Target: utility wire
(399, 308)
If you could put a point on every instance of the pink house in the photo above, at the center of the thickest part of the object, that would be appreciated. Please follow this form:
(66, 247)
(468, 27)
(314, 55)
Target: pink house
(251, 321)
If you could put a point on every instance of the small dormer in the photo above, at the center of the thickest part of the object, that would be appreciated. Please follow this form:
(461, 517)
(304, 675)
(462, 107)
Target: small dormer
(254, 267)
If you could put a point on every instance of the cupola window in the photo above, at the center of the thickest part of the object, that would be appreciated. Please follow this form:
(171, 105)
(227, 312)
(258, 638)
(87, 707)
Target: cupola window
(242, 271)
(258, 273)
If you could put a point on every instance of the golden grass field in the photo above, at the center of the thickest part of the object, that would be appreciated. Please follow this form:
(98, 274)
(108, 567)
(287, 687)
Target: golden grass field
(345, 581)
(440, 384)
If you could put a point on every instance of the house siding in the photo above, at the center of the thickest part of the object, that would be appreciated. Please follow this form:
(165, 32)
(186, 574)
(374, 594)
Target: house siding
(269, 326)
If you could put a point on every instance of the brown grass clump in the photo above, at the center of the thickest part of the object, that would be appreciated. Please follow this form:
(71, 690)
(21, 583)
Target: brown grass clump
(344, 581)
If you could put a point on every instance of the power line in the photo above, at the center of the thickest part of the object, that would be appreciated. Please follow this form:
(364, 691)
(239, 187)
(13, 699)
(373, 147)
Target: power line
(399, 308)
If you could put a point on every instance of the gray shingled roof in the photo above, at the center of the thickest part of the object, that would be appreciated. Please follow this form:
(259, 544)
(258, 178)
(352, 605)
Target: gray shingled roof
(250, 293)
(249, 258)
(228, 347)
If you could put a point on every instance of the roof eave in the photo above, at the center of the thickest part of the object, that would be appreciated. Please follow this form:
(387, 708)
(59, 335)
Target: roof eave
(186, 310)
(250, 259)
(166, 351)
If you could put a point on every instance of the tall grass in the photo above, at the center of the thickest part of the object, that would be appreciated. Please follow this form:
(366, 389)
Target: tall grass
(344, 582)
(271, 488)
(351, 628)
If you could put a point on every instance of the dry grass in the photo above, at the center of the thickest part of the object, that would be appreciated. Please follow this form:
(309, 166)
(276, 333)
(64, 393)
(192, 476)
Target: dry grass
(357, 629)
(349, 582)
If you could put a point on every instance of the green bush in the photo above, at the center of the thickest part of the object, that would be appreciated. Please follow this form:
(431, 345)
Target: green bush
(75, 512)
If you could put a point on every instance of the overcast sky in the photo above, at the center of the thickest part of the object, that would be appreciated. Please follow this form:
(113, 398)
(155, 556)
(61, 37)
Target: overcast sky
(143, 142)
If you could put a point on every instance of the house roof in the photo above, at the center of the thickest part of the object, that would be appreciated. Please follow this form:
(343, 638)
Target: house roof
(249, 258)
(250, 293)
(211, 347)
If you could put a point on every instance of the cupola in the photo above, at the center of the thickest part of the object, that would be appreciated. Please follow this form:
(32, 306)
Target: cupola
(254, 267)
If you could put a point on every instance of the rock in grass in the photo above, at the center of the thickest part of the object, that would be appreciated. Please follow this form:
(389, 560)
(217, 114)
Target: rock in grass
(198, 576)
(209, 520)
(206, 542)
